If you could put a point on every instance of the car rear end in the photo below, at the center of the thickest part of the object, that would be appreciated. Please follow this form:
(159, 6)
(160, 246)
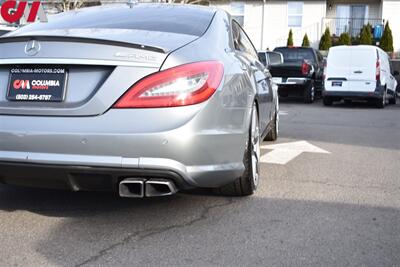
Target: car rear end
(352, 72)
(82, 109)
(294, 75)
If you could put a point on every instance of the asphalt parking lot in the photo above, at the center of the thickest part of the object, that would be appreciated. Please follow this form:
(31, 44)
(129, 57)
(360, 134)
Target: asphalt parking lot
(329, 195)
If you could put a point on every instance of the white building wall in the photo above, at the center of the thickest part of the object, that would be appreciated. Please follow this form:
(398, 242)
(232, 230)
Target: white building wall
(276, 22)
(391, 13)
(276, 19)
(253, 22)
(276, 28)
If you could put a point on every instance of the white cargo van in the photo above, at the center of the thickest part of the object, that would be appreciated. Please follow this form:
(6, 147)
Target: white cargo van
(362, 72)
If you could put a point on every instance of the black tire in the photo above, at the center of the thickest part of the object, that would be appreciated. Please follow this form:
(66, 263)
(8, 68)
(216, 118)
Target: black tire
(327, 101)
(309, 93)
(273, 133)
(381, 102)
(245, 185)
(393, 100)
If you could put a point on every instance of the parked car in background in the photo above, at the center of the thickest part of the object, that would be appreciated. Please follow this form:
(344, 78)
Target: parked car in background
(6, 29)
(300, 74)
(270, 58)
(125, 104)
(361, 72)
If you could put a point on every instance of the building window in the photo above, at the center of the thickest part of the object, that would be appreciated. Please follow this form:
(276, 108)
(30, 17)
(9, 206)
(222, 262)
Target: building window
(295, 13)
(352, 18)
(237, 12)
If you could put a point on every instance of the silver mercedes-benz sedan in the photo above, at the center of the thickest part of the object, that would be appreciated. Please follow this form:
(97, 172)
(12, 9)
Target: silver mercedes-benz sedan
(143, 100)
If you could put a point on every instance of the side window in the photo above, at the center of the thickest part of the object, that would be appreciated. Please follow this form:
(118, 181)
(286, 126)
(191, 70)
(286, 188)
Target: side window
(263, 58)
(235, 36)
(385, 61)
(242, 41)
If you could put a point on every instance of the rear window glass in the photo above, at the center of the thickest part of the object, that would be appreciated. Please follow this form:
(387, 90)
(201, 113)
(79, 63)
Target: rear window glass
(296, 54)
(339, 58)
(162, 18)
(261, 57)
(354, 58)
(363, 58)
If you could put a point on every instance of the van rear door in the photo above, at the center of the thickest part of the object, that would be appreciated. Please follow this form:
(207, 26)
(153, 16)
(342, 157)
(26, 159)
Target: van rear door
(351, 69)
(337, 70)
(362, 71)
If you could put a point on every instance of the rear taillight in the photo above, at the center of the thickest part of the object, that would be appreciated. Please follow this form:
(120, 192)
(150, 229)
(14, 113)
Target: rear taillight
(179, 86)
(378, 70)
(305, 68)
(324, 73)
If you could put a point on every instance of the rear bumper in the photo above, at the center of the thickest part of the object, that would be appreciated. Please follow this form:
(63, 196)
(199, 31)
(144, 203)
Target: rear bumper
(68, 173)
(293, 86)
(199, 147)
(78, 178)
(356, 95)
(378, 93)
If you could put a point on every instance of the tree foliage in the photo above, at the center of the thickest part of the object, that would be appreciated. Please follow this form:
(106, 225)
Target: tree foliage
(306, 41)
(345, 39)
(326, 40)
(66, 5)
(290, 38)
(366, 37)
(386, 42)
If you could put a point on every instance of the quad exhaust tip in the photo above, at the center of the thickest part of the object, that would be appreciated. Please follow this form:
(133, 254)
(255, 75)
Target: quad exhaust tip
(139, 188)
(131, 187)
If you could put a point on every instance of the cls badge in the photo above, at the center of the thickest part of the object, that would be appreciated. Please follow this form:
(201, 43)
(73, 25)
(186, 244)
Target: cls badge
(32, 48)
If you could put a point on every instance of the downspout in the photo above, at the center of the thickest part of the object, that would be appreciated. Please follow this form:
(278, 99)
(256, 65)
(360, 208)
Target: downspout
(262, 25)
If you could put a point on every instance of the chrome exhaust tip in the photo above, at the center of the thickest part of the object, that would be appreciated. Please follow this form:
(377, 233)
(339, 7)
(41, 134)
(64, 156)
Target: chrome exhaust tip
(159, 188)
(132, 187)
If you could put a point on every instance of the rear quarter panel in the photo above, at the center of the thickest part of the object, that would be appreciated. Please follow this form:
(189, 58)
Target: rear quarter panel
(235, 95)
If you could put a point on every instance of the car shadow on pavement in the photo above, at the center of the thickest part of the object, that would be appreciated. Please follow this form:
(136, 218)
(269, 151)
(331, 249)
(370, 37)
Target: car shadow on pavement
(355, 124)
(186, 229)
(359, 105)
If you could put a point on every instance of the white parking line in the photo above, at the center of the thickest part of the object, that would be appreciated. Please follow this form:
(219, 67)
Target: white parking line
(285, 152)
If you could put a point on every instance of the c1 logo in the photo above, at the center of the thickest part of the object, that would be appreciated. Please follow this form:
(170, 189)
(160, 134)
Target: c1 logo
(21, 84)
(11, 11)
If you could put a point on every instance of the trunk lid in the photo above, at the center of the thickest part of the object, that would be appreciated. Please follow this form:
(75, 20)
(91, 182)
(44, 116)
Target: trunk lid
(100, 67)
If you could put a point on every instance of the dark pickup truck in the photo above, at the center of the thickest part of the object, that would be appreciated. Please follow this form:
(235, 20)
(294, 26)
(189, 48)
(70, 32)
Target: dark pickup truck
(300, 74)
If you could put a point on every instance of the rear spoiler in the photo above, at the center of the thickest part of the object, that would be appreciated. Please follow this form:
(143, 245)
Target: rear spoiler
(26, 38)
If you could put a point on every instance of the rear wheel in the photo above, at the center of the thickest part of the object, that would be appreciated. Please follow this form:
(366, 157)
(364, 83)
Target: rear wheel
(381, 102)
(393, 100)
(309, 93)
(274, 132)
(247, 184)
(327, 101)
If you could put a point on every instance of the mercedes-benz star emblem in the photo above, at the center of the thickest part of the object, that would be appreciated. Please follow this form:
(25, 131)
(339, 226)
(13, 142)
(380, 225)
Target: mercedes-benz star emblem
(32, 48)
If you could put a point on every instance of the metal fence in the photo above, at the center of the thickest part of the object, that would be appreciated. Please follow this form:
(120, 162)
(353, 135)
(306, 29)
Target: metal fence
(353, 26)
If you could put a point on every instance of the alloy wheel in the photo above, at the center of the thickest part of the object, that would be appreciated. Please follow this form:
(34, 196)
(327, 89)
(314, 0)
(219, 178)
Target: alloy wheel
(312, 93)
(255, 147)
(277, 123)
